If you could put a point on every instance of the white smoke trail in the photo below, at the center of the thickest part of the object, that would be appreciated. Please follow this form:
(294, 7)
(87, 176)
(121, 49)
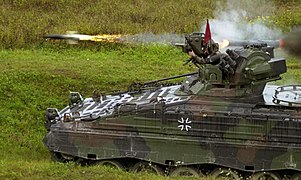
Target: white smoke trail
(145, 38)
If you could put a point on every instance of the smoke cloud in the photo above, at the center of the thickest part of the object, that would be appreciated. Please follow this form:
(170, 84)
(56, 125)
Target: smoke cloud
(232, 20)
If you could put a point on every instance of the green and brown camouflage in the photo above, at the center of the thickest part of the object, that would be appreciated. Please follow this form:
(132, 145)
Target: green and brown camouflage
(226, 125)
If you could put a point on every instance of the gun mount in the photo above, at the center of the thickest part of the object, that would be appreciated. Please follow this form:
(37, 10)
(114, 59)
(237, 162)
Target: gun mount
(242, 72)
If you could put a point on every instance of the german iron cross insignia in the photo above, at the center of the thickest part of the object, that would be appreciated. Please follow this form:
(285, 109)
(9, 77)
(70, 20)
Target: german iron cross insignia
(184, 124)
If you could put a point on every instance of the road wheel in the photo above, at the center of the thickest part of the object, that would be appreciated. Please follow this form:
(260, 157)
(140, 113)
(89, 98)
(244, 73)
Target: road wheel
(146, 167)
(60, 157)
(297, 176)
(265, 176)
(223, 173)
(67, 157)
(112, 164)
(185, 171)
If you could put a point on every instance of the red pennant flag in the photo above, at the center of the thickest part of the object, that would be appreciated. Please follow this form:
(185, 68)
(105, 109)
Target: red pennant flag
(207, 33)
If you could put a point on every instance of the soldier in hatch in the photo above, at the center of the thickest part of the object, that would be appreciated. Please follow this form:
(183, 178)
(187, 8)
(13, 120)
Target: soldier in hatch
(211, 55)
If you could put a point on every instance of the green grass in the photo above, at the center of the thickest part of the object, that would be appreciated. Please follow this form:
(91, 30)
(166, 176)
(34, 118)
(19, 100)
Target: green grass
(51, 170)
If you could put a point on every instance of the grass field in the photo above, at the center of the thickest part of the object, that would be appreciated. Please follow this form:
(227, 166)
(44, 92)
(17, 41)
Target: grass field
(32, 80)
(35, 74)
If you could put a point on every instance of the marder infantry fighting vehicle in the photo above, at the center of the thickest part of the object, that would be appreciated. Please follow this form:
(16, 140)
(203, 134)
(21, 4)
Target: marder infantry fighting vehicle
(223, 120)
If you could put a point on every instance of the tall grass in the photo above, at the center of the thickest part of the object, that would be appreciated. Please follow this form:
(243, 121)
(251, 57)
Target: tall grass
(23, 23)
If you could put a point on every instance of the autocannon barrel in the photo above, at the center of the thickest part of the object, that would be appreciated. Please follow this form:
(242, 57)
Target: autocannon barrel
(273, 43)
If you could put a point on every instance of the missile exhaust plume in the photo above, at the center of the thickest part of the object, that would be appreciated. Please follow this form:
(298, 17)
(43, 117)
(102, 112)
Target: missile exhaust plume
(144, 38)
(73, 37)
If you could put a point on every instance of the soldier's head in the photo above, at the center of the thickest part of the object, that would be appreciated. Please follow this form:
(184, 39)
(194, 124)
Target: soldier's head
(210, 47)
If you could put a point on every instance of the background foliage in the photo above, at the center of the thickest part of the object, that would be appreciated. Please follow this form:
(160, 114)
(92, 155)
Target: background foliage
(24, 22)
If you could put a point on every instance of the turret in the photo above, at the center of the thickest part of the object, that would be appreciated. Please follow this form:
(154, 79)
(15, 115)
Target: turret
(254, 68)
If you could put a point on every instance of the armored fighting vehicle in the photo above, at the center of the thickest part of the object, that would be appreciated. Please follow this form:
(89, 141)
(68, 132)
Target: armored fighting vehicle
(223, 120)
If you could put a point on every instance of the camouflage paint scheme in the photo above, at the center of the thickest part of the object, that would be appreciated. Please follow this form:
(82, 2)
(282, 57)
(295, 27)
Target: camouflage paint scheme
(237, 122)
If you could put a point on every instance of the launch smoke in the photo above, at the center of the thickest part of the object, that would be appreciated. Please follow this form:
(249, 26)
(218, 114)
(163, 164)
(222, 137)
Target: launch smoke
(232, 21)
